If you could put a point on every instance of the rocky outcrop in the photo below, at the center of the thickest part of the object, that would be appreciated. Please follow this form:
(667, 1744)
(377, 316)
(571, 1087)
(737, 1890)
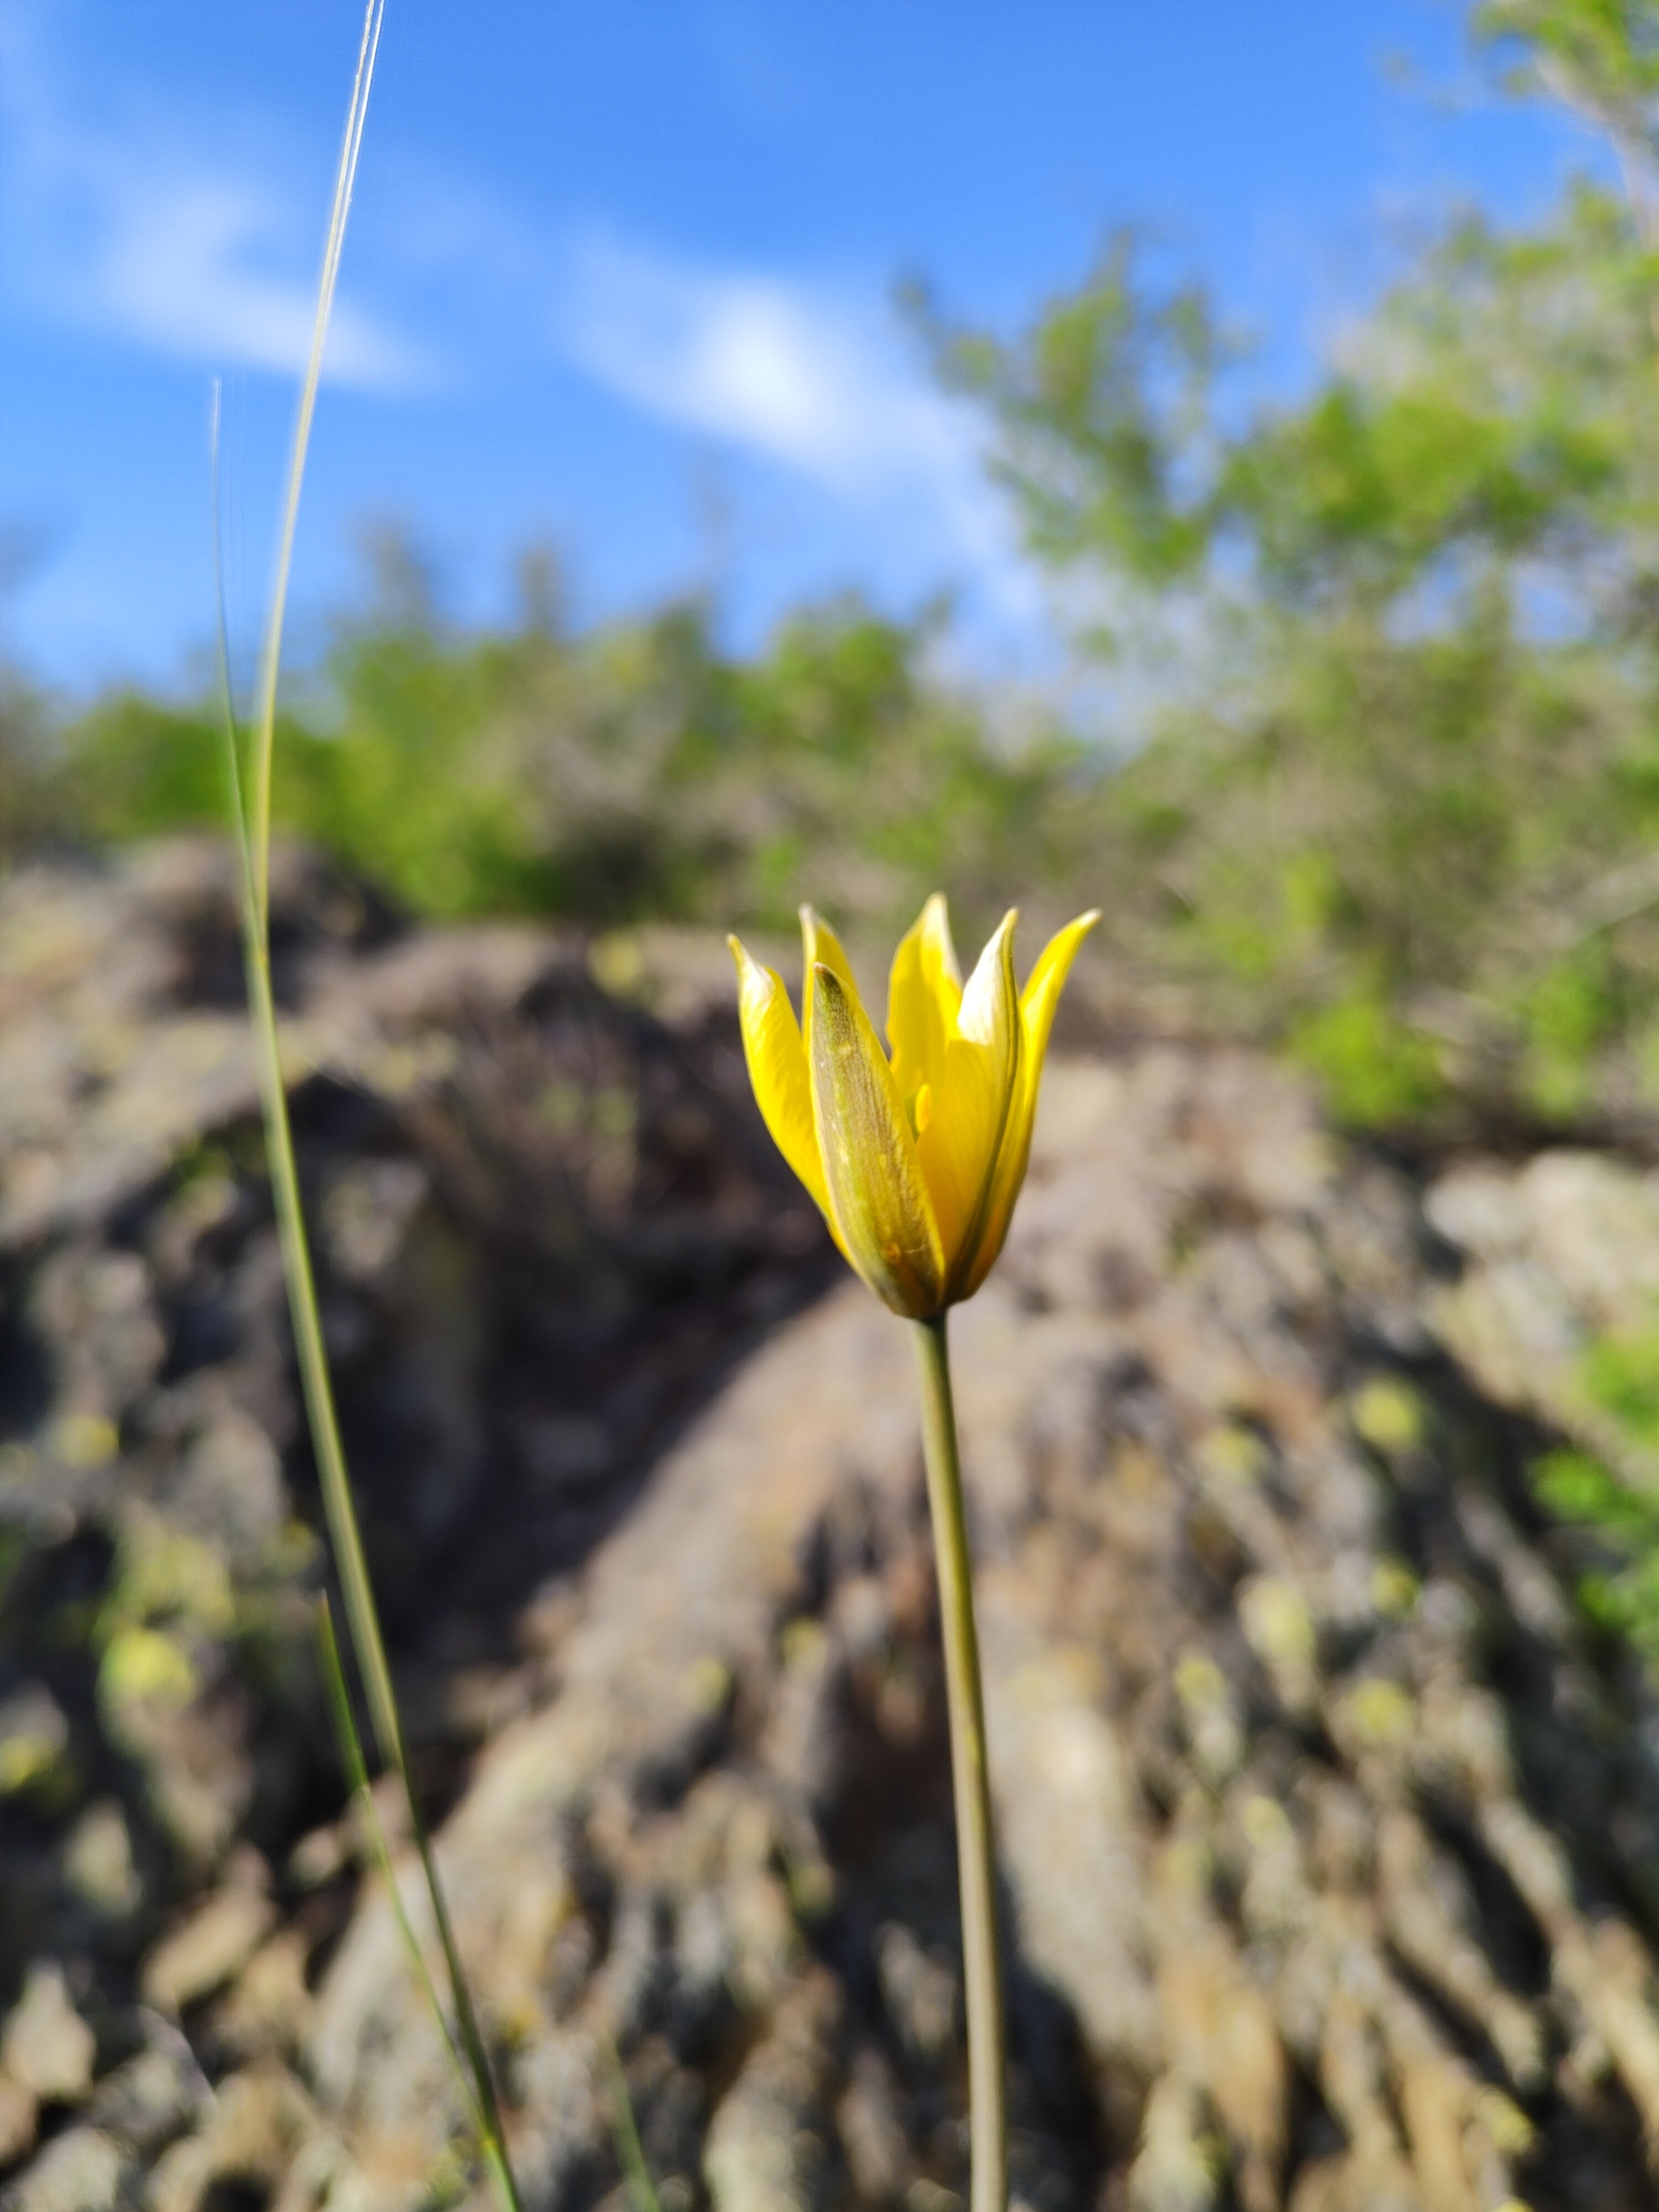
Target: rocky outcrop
(1327, 1816)
(545, 1222)
(1322, 1884)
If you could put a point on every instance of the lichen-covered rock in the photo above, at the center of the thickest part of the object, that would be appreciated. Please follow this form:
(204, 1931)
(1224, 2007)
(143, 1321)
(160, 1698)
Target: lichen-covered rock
(1267, 1737)
(1327, 1825)
(46, 2046)
(83, 2170)
(544, 1219)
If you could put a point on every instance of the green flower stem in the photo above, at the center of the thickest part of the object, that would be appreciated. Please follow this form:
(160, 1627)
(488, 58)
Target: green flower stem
(969, 1775)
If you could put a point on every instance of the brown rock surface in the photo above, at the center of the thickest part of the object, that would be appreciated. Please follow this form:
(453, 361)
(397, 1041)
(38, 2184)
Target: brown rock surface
(1326, 1823)
(1298, 1907)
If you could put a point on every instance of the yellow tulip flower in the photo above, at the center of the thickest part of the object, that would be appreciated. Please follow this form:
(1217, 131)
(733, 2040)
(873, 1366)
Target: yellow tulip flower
(916, 1161)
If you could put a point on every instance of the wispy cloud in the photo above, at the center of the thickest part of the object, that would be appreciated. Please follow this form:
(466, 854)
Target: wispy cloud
(817, 382)
(812, 378)
(193, 231)
(121, 224)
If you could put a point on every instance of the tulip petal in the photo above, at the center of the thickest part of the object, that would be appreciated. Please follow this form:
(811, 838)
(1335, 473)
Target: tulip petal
(819, 944)
(777, 1068)
(1047, 980)
(1037, 1016)
(924, 996)
(960, 1146)
(876, 1193)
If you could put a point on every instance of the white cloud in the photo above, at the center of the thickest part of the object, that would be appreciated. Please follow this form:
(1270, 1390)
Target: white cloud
(810, 377)
(814, 381)
(189, 233)
(121, 224)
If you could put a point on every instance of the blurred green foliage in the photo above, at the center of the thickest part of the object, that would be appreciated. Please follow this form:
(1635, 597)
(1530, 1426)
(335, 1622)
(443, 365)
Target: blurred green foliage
(1618, 1507)
(1398, 791)
(1380, 782)
(1622, 1595)
(634, 772)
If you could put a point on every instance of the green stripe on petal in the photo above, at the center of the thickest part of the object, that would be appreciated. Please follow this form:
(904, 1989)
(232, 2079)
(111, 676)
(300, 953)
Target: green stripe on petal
(876, 1194)
(818, 942)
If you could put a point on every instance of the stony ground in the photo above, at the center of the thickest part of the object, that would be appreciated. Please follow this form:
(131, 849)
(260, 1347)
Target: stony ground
(1327, 1811)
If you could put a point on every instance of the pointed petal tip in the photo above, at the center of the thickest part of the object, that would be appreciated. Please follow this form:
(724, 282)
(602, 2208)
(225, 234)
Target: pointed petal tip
(752, 975)
(998, 946)
(1038, 1006)
(777, 1061)
(932, 929)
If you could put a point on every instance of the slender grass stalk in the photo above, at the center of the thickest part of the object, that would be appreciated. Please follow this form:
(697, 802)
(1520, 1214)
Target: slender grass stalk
(356, 1769)
(625, 2133)
(250, 822)
(270, 659)
(367, 1643)
(969, 1775)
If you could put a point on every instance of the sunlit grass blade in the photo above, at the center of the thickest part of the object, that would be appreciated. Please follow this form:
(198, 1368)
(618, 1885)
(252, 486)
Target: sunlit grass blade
(362, 1798)
(367, 1643)
(222, 633)
(486, 2124)
(251, 819)
(624, 2130)
(264, 713)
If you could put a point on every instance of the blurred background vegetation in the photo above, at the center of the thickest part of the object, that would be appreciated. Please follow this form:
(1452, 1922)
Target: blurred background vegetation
(1384, 783)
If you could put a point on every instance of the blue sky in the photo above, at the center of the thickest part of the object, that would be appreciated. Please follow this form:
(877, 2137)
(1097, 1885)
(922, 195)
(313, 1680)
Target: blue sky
(620, 277)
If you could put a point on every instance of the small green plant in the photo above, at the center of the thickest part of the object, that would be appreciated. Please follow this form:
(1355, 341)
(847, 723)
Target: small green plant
(1586, 1493)
(1620, 1375)
(1618, 1507)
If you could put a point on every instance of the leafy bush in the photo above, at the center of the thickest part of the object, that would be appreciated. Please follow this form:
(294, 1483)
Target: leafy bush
(633, 773)
(1402, 818)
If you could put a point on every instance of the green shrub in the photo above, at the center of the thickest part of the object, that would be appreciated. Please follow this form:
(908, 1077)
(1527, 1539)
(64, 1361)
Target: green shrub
(1393, 790)
(633, 773)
